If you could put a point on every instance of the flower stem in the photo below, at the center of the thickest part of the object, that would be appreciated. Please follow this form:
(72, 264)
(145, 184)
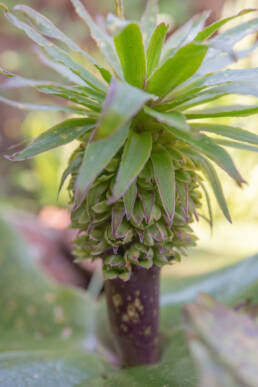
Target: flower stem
(133, 309)
(120, 8)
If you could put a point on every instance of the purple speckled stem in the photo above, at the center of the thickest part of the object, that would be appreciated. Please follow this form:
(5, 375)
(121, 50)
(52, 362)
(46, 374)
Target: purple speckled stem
(133, 309)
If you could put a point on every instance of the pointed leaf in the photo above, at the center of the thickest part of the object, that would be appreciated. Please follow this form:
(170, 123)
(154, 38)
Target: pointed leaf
(74, 164)
(208, 201)
(155, 48)
(238, 87)
(122, 103)
(46, 108)
(214, 181)
(55, 52)
(211, 29)
(175, 119)
(149, 20)
(185, 34)
(223, 111)
(209, 147)
(237, 145)
(97, 156)
(228, 39)
(136, 154)
(59, 68)
(47, 28)
(104, 41)
(230, 75)
(59, 135)
(214, 332)
(129, 199)
(177, 69)
(165, 179)
(228, 131)
(130, 50)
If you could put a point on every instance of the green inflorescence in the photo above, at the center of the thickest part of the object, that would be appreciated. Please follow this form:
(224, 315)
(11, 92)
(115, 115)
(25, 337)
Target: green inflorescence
(144, 149)
(145, 236)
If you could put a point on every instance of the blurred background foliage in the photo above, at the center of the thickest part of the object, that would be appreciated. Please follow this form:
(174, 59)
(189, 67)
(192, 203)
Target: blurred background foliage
(33, 185)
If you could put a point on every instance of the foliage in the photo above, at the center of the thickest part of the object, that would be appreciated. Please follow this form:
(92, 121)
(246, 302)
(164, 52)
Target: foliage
(140, 146)
(50, 335)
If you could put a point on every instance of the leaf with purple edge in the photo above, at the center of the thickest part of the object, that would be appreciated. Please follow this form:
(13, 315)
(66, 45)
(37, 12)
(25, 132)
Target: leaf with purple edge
(148, 202)
(129, 199)
(209, 147)
(136, 153)
(122, 103)
(58, 135)
(164, 174)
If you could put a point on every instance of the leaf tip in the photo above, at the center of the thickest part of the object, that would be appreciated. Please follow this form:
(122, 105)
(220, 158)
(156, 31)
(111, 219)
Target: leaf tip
(4, 7)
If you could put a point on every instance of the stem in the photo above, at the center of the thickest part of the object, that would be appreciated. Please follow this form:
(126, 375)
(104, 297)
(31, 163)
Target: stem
(133, 309)
(120, 8)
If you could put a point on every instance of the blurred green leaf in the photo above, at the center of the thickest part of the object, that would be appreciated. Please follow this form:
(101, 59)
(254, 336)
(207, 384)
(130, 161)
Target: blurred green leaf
(45, 328)
(224, 343)
(136, 154)
(55, 52)
(237, 145)
(165, 178)
(185, 34)
(207, 146)
(182, 65)
(60, 134)
(130, 49)
(213, 179)
(122, 103)
(103, 40)
(223, 111)
(175, 119)
(46, 108)
(97, 156)
(211, 29)
(228, 131)
(149, 20)
(47, 28)
(155, 48)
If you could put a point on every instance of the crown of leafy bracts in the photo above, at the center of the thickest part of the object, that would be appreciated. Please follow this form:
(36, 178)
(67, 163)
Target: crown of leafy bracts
(140, 123)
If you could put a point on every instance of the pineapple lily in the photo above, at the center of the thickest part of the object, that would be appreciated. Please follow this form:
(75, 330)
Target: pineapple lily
(145, 145)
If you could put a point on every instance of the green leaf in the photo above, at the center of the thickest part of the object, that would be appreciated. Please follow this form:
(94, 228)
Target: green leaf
(56, 53)
(44, 325)
(165, 178)
(177, 69)
(62, 70)
(103, 40)
(223, 111)
(214, 181)
(174, 119)
(47, 28)
(122, 103)
(210, 30)
(136, 154)
(46, 108)
(73, 165)
(228, 131)
(185, 34)
(149, 20)
(155, 48)
(208, 201)
(231, 75)
(97, 156)
(129, 199)
(209, 147)
(237, 145)
(213, 332)
(130, 50)
(237, 87)
(228, 39)
(59, 135)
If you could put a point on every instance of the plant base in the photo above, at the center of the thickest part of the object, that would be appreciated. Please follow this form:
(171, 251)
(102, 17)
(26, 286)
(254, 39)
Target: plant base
(133, 309)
